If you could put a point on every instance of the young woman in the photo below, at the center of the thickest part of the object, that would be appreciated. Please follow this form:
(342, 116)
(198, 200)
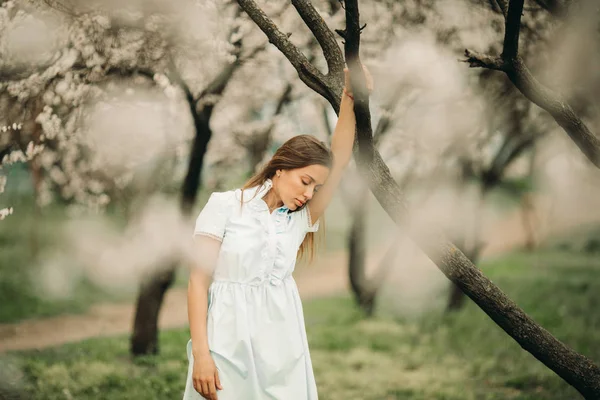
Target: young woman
(248, 340)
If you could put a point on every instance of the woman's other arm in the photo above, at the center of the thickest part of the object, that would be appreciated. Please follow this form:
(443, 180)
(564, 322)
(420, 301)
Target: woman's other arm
(205, 376)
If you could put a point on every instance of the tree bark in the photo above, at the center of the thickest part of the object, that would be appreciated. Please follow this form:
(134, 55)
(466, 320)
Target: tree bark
(456, 300)
(144, 339)
(470, 243)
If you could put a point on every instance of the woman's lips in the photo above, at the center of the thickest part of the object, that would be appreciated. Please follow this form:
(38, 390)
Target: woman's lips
(299, 203)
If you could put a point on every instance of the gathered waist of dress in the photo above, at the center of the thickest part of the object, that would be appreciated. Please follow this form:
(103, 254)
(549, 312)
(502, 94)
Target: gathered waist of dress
(267, 280)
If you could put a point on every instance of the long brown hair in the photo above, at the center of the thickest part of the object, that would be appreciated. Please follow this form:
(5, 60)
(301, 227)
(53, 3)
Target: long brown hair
(297, 152)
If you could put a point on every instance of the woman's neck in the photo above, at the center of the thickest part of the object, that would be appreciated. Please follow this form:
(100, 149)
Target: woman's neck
(273, 201)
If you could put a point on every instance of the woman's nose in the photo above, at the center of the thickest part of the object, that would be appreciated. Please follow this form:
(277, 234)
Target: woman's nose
(309, 194)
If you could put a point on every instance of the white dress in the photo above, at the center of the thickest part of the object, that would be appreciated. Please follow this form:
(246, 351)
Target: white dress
(255, 323)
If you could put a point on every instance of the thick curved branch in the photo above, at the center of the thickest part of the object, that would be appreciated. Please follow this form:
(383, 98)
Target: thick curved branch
(326, 38)
(574, 368)
(560, 110)
(516, 70)
(311, 76)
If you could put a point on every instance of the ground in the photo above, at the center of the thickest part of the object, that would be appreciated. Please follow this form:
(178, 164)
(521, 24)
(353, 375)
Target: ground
(326, 276)
(424, 355)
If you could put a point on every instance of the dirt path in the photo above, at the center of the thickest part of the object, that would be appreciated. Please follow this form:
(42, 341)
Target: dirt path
(326, 277)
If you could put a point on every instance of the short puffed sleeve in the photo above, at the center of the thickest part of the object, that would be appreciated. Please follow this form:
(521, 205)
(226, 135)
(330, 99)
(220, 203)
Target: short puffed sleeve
(306, 221)
(213, 218)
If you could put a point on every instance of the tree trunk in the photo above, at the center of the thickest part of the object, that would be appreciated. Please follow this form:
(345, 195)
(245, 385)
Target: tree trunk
(363, 292)
(144, 339)
(365, 289)
(528, 214)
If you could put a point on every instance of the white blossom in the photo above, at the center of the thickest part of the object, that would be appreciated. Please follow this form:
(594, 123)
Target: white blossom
(5, 212)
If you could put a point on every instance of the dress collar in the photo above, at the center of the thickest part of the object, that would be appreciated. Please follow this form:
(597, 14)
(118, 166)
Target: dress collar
(256, 194)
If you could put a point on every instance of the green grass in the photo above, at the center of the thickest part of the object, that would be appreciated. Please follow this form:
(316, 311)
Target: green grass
(436, 356)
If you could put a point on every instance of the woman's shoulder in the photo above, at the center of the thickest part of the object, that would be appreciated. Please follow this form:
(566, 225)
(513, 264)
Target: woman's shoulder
(221, 200)
(234, 196)
(224, 196)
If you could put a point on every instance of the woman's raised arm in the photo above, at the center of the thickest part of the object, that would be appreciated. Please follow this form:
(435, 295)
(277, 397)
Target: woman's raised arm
(341, 147)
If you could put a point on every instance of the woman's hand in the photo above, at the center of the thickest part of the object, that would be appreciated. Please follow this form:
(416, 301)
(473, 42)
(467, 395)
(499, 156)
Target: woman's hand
(206, 377)
(368, 79)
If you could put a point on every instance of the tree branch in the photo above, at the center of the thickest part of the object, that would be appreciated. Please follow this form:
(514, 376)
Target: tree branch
(311, 76)
(331, 51)
(479, 60)
(512, 29)
(516, 70)
(560, 110)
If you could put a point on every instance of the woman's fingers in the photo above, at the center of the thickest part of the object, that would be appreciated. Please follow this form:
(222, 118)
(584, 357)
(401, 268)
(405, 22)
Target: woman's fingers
(218, 381)
(212, 390)
(368, 79)
(205, 391)
(207, 387)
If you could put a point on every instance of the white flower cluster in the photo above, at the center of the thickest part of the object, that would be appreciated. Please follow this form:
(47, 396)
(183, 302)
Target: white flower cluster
(5, 212)
(90, 48)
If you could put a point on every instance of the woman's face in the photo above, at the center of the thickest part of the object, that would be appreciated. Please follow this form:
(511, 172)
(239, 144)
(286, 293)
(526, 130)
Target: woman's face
(297, 186)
